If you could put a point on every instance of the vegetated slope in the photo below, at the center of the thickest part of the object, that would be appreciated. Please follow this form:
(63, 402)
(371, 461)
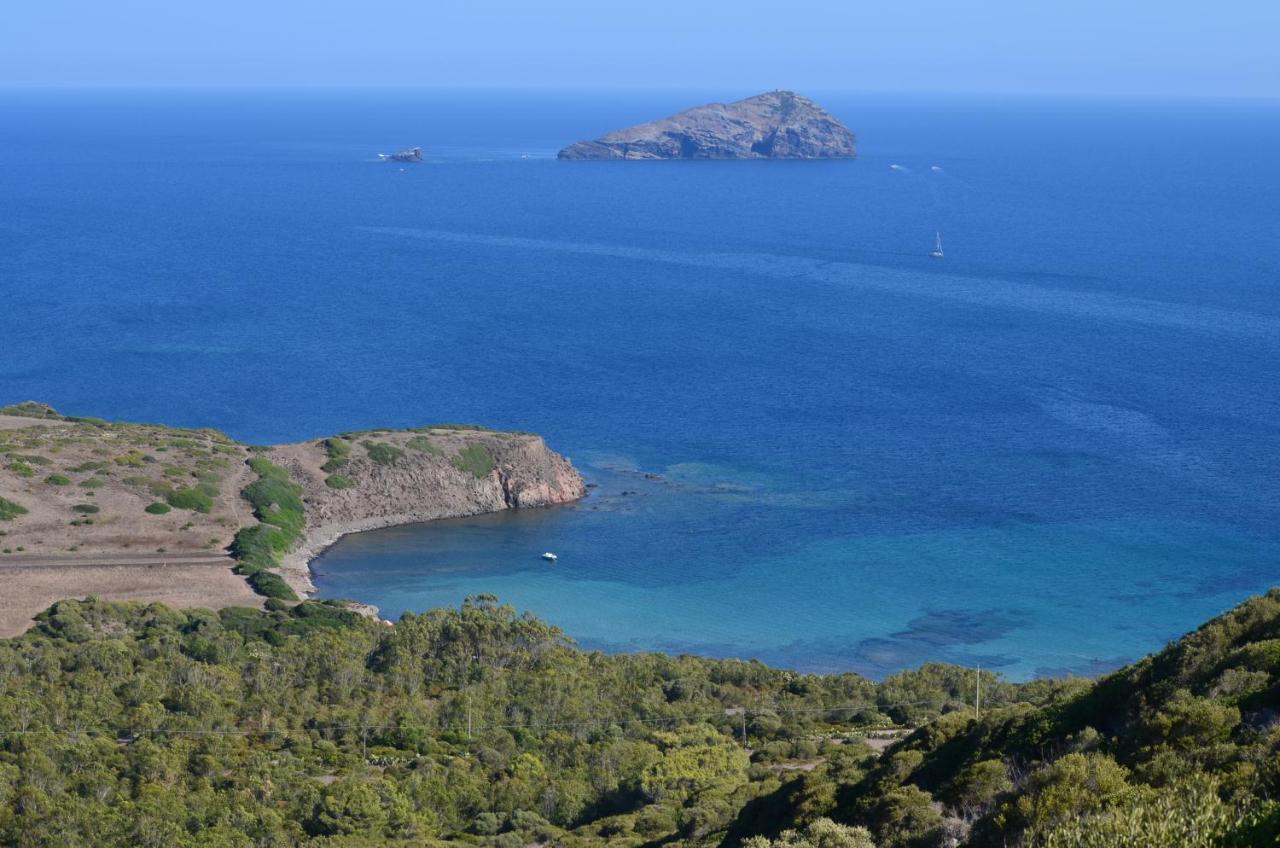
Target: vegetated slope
(139, 725)
(1182, 748)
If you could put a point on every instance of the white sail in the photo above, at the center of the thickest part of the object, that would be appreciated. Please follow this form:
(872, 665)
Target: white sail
(937, 245)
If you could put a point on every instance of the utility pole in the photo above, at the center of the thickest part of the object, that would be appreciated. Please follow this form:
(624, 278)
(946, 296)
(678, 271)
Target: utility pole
(977, 692)
(744, 727)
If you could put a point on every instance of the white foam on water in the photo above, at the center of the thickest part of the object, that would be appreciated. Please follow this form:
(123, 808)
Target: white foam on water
(992, 293)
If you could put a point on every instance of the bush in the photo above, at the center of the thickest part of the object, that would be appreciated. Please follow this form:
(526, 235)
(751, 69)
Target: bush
(271, 585)
(337, 481)
(158, 508)
(277, 503)
(1190, 816)
(57, 480)
(338, 451)
(132, 459)
(22, 469)
(93, 483)
(84, 509)
(193, 499)
(476, 460)
(424, 444)
(10, 510)
(383, 453)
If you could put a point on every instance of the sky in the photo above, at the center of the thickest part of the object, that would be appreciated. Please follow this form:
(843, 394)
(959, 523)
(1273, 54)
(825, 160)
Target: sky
(1119, 47)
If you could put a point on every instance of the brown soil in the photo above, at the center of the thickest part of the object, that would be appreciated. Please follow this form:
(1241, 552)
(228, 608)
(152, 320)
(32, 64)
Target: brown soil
(33, 583)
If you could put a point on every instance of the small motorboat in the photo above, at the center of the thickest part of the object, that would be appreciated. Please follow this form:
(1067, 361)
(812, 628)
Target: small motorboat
(936, 253)
(550, 557)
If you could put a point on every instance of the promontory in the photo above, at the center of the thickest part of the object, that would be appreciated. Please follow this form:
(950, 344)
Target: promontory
(774, 125)
(194, 518)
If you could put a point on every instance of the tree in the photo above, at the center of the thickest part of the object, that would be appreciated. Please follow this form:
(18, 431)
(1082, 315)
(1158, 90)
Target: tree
(820, 833)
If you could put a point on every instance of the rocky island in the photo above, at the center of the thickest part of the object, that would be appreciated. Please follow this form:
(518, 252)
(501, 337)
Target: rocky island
(774, 125)
(193, 518)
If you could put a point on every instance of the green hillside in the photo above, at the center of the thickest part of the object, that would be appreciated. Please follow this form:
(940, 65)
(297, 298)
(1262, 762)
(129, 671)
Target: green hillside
(138, 725)
(1182, 748)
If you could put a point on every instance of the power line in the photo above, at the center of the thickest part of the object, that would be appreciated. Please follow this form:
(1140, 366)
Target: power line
(584, 724)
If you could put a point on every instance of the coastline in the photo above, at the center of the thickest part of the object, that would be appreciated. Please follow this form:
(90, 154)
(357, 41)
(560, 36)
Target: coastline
(194, 518)
(296, 569)
(418, 489)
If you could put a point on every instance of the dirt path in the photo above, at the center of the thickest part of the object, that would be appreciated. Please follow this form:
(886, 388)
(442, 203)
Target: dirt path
(34, 582)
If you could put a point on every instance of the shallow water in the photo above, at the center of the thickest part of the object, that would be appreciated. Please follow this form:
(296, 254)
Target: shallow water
(1053, 450)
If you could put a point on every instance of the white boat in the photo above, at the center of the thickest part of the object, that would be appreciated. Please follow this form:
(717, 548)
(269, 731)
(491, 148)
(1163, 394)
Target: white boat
(409, 154)
(550, 557)
(936, 253)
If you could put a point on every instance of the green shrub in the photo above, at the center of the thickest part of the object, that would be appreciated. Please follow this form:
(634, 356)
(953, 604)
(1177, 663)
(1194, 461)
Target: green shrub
(132, 459)
(193, 499)
(57, 480)
(424, 444)
(22, 469)
(10, 510)
(85, 509)
(475, 459)
(92, 483)
(158, 508)
(337, 481)
(383, 453)
(275, 499)
(257, 548)
(338, 451)
(271, 585)
(277, 503)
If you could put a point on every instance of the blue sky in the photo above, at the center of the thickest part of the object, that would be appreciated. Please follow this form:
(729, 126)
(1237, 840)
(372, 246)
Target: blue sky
(1161, 47)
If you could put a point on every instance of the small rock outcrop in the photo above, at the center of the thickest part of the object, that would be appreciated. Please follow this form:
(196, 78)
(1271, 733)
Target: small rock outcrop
(775, 125)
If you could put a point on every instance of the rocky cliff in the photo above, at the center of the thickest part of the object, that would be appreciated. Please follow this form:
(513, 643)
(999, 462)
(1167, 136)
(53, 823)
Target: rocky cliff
(384, 478)
(775, 125)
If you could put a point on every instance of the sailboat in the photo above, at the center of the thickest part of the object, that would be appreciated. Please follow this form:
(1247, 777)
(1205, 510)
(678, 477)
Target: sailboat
(937, 247)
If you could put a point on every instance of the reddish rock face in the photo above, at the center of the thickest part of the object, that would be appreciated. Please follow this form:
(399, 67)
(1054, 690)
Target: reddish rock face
(426, 484)
(776, 125)
(423, 475)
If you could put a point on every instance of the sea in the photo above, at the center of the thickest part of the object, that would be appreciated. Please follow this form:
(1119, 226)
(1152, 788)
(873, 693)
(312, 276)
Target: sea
(810, 443)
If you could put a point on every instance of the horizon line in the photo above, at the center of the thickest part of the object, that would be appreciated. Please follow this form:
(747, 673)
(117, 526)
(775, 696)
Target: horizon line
(241, 88)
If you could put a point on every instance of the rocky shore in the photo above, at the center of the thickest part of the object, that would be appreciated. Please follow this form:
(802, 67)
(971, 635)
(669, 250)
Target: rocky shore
(424, 483)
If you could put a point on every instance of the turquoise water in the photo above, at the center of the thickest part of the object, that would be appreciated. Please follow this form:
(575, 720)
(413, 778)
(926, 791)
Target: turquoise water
(811, 444)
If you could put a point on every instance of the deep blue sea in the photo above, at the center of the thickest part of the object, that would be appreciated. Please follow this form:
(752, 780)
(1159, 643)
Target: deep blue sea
(1053, 450)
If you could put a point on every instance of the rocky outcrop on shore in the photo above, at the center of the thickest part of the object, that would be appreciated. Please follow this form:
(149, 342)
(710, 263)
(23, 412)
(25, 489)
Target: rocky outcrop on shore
(775, 125)
(386, 478)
